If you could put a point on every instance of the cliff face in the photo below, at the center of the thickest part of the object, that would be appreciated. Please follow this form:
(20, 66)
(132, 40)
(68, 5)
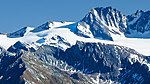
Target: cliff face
(11, 67)
(138, 24)
(82, 63)
(112, 62)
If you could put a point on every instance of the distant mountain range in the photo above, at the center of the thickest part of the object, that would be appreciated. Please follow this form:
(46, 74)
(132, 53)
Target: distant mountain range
(105, 47)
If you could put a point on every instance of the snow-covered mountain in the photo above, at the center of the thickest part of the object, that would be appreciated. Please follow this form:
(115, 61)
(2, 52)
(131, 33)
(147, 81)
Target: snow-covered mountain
(103, 22)
(105, 46)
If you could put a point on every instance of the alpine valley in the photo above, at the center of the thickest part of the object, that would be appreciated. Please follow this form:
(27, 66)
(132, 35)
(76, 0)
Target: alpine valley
(105, 47)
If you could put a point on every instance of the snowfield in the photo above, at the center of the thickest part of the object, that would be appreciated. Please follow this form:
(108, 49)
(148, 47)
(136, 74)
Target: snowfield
(66, 31)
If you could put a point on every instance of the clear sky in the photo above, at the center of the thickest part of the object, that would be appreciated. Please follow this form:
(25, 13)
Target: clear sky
(16, 14)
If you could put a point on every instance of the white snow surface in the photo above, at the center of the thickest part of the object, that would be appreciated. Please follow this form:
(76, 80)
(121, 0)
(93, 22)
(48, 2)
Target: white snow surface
(36, 39)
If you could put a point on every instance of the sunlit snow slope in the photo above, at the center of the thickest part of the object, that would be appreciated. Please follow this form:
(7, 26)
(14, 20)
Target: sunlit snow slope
(62, 34)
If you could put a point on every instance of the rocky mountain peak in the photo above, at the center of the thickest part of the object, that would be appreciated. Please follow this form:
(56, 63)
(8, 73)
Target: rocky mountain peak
(139, 24)
(102, 23)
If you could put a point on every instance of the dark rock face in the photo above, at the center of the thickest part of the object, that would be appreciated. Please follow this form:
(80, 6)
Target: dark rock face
(11, 68)
(17, 34)
(21, 69)
(19, 46)
(138, 25)
(137, 73)
(139, 21)
(51, 65)
(87, 56)
(105, 59)
(42, 27)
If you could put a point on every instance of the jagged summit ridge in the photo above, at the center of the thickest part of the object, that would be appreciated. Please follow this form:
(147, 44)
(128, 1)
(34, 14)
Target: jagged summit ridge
(20, 33)
(110, 17)
(139, 24)
(42, 27)
(103, 22)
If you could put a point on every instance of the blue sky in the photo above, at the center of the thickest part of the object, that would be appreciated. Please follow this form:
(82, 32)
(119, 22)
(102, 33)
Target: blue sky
(16, 14)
